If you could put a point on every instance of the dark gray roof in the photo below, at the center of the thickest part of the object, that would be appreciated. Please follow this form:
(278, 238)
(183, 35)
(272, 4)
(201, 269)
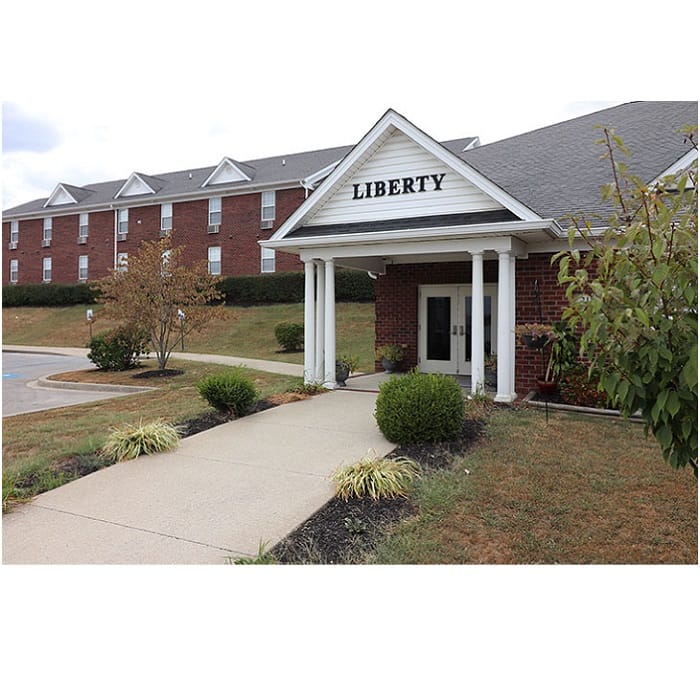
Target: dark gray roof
(557, 170)
(264, 173)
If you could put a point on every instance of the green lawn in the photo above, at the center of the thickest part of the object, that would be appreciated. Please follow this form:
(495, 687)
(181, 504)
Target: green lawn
(570, 490)
(243, 332)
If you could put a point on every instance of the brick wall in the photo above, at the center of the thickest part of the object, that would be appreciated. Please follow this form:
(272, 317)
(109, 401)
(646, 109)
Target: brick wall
(397, 304)
(238, 238)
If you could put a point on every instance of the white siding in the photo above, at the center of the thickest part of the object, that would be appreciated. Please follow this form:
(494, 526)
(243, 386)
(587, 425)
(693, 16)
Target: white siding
(400, 157)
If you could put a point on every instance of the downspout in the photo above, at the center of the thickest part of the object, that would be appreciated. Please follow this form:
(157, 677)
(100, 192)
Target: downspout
(116, 228)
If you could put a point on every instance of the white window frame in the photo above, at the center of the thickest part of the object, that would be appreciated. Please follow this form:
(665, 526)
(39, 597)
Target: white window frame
(14, 234)
(214, 259)
(83, 227)
(122, 224)
(122, 262)
(268, 204)
(166, 218)
(46, 272)
(47, 232)
(82, 268)
(267, 260)
(14, 271)
(214, 220)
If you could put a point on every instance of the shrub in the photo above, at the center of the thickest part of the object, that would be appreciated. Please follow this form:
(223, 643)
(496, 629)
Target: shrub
(290, 335)
(416, 408)
(130, 441)
(47, 294)
(229, 392)
(376, 478)
(119, 349)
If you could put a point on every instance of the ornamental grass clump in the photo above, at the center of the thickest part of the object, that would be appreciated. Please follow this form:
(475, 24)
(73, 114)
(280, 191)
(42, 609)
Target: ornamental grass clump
(229, 392)
(375, 478)
(418, 408)
(129, 441)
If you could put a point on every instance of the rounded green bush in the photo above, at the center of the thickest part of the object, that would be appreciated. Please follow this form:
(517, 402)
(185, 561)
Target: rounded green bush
(416, 408)
(118, 349)
(229, 392)
(290, 335)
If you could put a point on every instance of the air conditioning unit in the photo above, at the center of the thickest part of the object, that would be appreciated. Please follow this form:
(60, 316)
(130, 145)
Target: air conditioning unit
(213, 228)
(267, 224)
(13, 245)
(46, 243)
(121, 236)
(165, 232)
(82, 240)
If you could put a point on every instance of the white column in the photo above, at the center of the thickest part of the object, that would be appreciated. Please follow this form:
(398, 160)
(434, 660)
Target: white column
(329, 329)
(477, 328)
(309, 323)
(511, 325)
(506, 338)
(320, 320)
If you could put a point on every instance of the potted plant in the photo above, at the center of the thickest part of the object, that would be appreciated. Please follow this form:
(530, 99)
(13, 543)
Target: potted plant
(534, 335)
(390, 356)
(344, 367)
(563, 352)
(490, 369)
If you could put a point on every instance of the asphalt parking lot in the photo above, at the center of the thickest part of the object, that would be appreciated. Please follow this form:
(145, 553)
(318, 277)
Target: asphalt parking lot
(20, 393)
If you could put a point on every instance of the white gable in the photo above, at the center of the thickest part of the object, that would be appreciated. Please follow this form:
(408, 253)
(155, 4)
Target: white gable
(134, 185)
(401, 180)
(225, 172)
(60, 195)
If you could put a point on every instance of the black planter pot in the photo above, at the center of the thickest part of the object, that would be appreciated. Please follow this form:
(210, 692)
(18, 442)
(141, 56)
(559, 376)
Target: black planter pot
(389, 365)
(535, 342)
(342, 372)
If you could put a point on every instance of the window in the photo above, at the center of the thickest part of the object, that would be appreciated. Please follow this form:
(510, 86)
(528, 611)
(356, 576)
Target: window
(46, 238)
(14, 271)
(46, 270)
(14, 234)
(83, 228)
(267, 260)
(122, 262)
(82, 268)
(166, 218)
(214, 214)
(123, 226)
(215, 260)
(267, 215)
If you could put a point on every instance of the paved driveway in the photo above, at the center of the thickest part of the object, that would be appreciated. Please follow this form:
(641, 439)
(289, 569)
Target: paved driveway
(20, 392)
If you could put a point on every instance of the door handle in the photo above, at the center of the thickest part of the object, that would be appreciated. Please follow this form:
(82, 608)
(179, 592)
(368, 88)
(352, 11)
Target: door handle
(454, 330)
(461, 330)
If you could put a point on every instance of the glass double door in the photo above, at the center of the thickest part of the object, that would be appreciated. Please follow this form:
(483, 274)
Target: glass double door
(445, 327)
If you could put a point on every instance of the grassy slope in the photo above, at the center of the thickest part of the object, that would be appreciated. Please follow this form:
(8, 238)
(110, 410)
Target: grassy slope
(244, 332)
(571, 490)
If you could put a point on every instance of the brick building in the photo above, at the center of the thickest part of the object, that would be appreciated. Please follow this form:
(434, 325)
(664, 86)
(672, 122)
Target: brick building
(460, 236)
(219, 213)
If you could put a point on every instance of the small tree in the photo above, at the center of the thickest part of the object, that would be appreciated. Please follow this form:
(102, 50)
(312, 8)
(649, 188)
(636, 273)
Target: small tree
(155, 290)
(634, 292)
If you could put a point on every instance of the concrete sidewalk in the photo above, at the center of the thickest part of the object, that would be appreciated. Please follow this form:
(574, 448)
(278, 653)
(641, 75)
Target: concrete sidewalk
(219, 494)
(262, 365)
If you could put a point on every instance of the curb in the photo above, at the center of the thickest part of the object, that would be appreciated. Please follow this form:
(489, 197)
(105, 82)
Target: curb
(47, 383)
(586, 410)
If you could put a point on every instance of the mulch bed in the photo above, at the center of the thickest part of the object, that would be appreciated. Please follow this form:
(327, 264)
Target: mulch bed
(344, 532)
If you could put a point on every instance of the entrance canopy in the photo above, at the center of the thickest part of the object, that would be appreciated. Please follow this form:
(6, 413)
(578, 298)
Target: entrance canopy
(401, 197)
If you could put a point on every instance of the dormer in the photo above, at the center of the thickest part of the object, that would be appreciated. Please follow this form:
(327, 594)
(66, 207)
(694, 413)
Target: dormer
(228, 171)
(138, 183)
(66, 194)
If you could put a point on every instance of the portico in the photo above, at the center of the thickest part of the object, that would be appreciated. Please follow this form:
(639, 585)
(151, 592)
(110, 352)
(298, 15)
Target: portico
(442, 242)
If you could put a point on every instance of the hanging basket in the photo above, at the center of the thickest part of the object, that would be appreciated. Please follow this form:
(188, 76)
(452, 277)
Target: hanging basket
(535, 342)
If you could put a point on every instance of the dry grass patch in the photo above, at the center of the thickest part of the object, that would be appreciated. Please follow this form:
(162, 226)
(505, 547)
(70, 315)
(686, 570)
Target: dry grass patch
(572, 490)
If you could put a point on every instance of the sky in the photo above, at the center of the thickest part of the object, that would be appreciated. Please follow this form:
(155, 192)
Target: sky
(156, 89)
(93, 92)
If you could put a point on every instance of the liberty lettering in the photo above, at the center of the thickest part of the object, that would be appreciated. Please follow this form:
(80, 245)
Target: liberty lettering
(405, 185)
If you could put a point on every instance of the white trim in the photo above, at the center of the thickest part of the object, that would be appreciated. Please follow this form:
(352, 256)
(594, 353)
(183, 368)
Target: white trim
(239, 175)
(370, 143)
(681, 164)
(129, 182)
(310, 181)
(60, 188)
